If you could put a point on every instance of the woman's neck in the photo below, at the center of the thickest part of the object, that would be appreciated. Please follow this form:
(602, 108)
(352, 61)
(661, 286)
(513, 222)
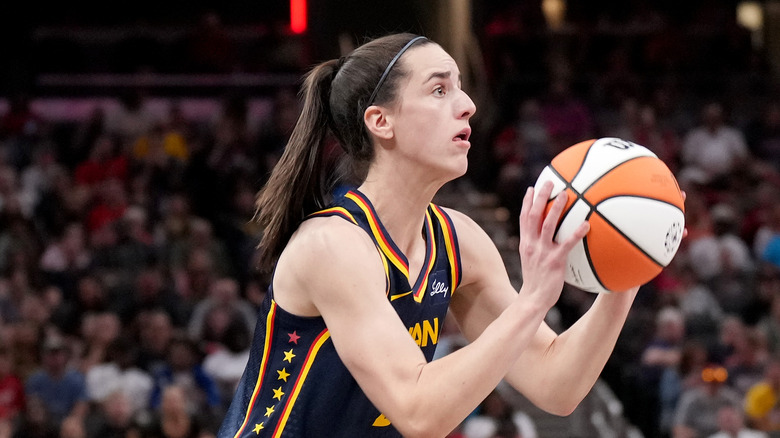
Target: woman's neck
(402, 212)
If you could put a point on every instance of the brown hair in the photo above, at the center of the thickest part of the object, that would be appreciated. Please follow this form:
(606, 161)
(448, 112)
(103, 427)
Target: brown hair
(335, 95)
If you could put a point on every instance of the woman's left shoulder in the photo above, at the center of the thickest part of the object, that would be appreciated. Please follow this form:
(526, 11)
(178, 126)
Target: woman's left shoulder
(465, 226)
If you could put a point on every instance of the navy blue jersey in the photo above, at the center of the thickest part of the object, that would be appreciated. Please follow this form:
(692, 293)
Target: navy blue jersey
(295, 385)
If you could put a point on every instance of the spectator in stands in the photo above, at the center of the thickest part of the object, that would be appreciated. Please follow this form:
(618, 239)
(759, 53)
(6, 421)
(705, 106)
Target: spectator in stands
(160, 157)
(11, 389)
(60, 388)
(90, 296)
(120, 374)
(232, 137)
(183, 367)
(155, 332)
(14, 290)
(766, 217)
(11, 201)
(697, 412)
(112, 417)
(175, 223)
(98, 331)
(110, 204)
(256, 289)
(20, 119)
(105, 161)
(224, 295)
(38, 178)
(767, 244)
(36, 421)
(20, 128)
(662, 352)
(701, 310)
(664, 142)
(747, 363)
(731, 424)
(151, 289)
(128, 248)
(130, 119)
(86, 132)
(158, 147)
(66, 258)
(714, 147)
(769, 324)
(201, 238)
(240, 236)
(721, 254)
(24, 343)
(174, 418)
(73, 427)
(227, 360)
(766, 285)
(762, 401)
(495, 417)
(19, 242)
(64, 203)
(677, 380)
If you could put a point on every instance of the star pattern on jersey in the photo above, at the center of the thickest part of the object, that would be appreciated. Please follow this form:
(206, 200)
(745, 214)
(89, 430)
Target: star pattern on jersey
(274, 406)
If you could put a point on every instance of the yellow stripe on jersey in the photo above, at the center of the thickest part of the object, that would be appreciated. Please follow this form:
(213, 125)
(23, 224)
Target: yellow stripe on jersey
(420, 292)
(337, 210)
(269, 329)
(387, 271)
(397, 296)
(449, 243)
(380, 238)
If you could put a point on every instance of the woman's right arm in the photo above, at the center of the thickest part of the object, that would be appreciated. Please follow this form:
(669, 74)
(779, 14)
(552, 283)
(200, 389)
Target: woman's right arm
(345, 283)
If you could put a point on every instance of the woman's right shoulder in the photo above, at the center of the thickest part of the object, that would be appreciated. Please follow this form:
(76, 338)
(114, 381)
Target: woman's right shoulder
(331, 239)
(321, 255)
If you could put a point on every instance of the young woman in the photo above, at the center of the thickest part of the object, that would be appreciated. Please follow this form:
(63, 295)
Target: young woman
(354, 277)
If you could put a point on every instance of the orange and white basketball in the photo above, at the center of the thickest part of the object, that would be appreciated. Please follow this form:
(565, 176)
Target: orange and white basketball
(634, 206)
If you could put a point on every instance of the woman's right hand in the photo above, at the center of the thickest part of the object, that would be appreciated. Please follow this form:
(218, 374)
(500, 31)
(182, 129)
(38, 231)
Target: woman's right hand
(543, 260)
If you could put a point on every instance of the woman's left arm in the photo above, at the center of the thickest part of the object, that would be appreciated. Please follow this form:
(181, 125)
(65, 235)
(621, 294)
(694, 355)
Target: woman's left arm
(555, 371)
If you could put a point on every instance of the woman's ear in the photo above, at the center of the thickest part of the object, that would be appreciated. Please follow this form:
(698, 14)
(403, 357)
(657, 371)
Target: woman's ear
(378, 123)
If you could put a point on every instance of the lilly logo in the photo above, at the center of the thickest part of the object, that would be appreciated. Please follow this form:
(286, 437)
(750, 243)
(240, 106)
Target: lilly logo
(438, 287)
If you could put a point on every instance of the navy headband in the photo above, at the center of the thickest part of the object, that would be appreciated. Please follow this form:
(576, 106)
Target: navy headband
(390, 66)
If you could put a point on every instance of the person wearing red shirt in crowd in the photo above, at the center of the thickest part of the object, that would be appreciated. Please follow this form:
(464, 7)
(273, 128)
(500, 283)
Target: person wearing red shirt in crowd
(103, 163)
(11, 389)
(111, 204)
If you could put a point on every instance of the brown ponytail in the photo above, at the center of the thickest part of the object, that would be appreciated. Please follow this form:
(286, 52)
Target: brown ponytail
(294, 188)
(335, 94)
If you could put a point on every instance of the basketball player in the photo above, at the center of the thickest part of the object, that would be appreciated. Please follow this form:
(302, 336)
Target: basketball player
(362, 284)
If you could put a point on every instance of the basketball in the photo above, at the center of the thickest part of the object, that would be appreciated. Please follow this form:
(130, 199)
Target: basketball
(634, 206)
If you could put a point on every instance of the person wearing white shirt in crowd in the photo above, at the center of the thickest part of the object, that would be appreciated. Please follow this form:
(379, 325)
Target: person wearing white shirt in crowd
(731, 424)
(714, 147)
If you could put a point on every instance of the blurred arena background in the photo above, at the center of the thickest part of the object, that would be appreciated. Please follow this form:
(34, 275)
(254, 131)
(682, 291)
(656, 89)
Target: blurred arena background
(134, 135)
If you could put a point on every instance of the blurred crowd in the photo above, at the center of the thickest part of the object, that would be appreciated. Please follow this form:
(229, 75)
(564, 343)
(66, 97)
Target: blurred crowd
(128, 288)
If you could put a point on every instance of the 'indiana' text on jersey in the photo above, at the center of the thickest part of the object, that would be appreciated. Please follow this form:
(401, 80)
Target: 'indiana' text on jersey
(295, 385)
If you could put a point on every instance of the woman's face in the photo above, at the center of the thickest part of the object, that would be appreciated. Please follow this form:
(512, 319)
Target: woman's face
(431, 117)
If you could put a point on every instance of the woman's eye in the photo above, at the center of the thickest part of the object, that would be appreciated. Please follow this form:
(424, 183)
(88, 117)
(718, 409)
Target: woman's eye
(439, 91)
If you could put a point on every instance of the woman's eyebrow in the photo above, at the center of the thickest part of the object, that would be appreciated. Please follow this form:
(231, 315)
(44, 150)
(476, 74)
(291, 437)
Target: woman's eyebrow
(438, 75)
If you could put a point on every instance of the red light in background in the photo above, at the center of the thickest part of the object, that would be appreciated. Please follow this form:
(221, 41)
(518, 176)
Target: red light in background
(298, 23)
